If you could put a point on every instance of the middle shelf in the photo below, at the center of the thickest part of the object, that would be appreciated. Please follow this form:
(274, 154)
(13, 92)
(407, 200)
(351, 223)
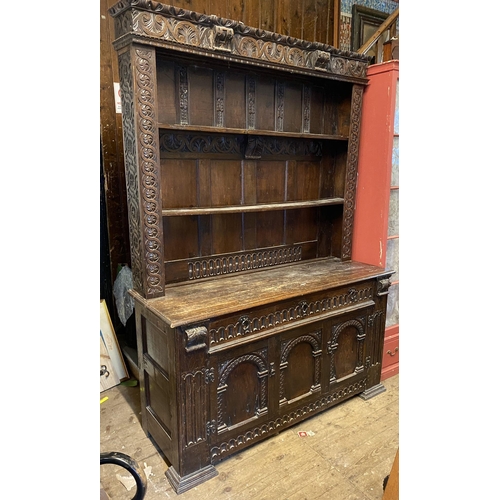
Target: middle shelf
(251, 208)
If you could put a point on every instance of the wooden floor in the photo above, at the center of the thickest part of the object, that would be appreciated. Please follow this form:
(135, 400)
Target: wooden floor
(349, 451)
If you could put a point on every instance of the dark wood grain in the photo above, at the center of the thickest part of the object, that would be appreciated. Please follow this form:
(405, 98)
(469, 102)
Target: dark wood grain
(183, 304)
(241, 150)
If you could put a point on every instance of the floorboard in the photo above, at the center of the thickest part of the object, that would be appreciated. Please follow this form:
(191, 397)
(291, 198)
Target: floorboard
(349, 451)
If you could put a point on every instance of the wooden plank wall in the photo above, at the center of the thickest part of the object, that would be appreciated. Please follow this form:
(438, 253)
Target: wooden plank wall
(315, 20)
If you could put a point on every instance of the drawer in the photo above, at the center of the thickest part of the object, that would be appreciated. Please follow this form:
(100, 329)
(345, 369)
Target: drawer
(390, 358)
(225, 330)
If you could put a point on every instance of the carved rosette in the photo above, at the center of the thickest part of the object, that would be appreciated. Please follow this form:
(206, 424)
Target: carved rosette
(172, 25)
(351, 174)
(149, 172)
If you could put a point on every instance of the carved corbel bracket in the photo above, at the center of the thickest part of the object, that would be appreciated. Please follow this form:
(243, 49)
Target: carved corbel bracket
(253, 150)
(322, 60)
(383, 285)
(222, 38)
(196, 338)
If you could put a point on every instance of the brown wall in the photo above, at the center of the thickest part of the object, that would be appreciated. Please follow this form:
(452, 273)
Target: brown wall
(314, 20)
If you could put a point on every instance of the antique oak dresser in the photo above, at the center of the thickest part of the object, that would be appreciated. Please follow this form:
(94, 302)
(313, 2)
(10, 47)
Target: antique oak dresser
(241, 150)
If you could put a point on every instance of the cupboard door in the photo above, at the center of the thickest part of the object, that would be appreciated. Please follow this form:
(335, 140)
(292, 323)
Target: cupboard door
(346, 347)
(240, 396)
(300, 364)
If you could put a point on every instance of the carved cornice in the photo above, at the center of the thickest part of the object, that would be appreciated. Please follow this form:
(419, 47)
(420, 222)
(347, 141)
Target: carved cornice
(175, 27)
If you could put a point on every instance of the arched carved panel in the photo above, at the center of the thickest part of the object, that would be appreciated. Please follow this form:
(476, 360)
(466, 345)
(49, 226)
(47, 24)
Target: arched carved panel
(242, 389)
(300, 367)
(346, 349)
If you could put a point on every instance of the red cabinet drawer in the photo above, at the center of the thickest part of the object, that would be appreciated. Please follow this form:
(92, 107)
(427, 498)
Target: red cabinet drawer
(390, 358)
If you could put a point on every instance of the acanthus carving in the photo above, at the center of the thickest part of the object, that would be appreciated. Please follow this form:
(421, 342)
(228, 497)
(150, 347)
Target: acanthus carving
(208, 32)
(351, 174)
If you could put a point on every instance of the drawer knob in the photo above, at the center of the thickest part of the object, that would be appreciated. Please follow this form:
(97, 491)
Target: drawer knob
(393, 353)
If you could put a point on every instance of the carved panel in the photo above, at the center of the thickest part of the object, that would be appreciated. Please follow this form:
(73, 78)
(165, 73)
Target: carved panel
(219, 99)
(183, 87)
(280, 106)
(351, 174)
(287, 419)
(333, 345)
(226, 368)
(306, 109)
(251, 105)
(194, 391)
(314, 339)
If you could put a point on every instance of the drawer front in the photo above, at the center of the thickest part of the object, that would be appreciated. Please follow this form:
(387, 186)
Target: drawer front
(311, 307)
(391, 352)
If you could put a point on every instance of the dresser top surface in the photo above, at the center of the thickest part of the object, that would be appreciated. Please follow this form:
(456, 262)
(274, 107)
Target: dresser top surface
(197, 301)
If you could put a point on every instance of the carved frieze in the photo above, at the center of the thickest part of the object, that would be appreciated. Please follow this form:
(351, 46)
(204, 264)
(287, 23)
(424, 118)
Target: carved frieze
(177, 27)
(290, 314)
(218, 266)
(174, 143)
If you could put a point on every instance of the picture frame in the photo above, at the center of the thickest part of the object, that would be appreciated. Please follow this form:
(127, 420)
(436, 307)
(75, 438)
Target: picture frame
(365, 22)
(112, 365)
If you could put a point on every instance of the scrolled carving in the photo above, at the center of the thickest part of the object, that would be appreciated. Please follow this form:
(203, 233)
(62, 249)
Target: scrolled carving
(173, 25)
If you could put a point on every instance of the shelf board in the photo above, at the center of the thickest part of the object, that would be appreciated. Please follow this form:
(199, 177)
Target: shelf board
(252, 208)
(244, 131)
